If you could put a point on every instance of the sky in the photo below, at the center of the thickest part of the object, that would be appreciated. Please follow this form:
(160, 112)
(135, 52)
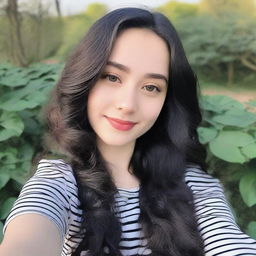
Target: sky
(75, 6)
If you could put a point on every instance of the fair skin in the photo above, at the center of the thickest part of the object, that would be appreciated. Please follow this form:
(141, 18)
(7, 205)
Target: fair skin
(129, 90)
(29, 235)
(135, 91)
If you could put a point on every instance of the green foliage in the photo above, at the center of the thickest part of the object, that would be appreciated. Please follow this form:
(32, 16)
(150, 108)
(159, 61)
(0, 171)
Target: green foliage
(22, 93)
(219, 37)
(96, 10)
(211, 40)
(41, 37)
(247, 188)
(74, 28)
(251, 229)
(224, 7)
(228, 131)
(178, 10)
(1, 231)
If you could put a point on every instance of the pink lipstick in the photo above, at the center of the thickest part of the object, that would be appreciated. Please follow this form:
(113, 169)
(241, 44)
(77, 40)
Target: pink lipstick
(120, 124)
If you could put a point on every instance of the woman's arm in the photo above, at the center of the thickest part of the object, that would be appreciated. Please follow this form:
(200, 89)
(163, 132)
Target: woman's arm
(31, 234)
(216, 223)
(41, 216)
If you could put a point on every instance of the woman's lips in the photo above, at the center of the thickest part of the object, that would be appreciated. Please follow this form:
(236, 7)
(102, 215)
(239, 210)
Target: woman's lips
(120, 124)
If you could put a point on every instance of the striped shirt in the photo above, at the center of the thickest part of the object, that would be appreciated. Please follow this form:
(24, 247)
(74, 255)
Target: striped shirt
(52, 192)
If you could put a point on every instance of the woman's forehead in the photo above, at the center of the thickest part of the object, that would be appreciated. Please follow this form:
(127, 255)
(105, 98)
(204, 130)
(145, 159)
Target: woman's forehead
(143, 49)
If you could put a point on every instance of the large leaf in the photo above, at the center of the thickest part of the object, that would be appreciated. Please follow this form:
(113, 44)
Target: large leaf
(9, 155)
(227, 145)
(236, 117)
(6, 207)
(247, 187)
(227, 153)
(216, 125)
(251, 229)
(4, 178)
(14, 78)
(28, 97)
(206, 134)
(219, 103)
(11, 124)
(250, 150)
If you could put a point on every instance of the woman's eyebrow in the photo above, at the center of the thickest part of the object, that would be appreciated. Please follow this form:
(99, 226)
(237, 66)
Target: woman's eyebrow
(126, 69)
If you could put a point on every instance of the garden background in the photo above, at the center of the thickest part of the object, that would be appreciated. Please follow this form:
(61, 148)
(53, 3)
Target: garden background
(219, 37)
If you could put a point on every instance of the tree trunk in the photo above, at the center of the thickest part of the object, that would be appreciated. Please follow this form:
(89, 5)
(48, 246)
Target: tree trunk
(230, 73)
(57, 4)
(17, 50)
(251, 64)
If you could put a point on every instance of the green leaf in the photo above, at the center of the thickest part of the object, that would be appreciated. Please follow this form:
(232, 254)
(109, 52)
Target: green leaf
(4, 178)
(227, 145)
(236, 138)
(251, 229)
(219, 103)
(250, 150)
(6, 207)
(227, 153)
(26, 152)
(236, 117)
(6, 134)
(12, 125)
(247, 187)
(216, 125)
(1, 231)
(23, 174)
(206, 134)
(14, 80)
(9, 156)
(32, 95)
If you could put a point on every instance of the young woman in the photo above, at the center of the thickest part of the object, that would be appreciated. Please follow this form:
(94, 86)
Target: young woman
(125, 113)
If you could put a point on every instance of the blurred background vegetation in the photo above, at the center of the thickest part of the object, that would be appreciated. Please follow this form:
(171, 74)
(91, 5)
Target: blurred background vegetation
(219, 37)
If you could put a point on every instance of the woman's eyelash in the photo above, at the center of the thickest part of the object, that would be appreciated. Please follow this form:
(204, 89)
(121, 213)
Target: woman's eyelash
(111, 77)
(114, 78)
(152, 88)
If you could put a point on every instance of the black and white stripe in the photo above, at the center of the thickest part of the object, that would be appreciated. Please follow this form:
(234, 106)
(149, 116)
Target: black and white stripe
(52, 192)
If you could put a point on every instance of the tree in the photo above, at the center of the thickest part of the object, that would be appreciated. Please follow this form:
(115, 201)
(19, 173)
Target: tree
(96, 10)
(219, 8)
(57, 4)
(221, 37)
(212, 42)
(32, 32)
(17, 48)
(177, 10)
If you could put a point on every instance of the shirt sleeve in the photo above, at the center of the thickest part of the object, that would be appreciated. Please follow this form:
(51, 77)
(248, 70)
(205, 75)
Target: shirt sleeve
(46, 194)
(216, 223)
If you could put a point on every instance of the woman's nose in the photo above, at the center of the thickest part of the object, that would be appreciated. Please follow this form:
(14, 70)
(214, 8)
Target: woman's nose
(126, 99)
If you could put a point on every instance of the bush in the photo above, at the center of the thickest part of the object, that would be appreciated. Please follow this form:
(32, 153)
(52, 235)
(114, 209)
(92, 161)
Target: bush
(228, 131)
(22, 92)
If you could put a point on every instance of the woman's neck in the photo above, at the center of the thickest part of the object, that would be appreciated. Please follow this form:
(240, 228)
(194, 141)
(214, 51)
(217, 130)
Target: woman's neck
(118, 159)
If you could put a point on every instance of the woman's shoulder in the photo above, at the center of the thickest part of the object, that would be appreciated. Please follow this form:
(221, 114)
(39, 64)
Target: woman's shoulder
(54, 169)
(58, 172)
(200, 181)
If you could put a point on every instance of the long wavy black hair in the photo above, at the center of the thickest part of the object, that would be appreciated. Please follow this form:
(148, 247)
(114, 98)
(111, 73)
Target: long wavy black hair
(160, 157)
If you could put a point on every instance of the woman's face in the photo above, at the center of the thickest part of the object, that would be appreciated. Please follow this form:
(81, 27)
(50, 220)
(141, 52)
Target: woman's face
(126, 101)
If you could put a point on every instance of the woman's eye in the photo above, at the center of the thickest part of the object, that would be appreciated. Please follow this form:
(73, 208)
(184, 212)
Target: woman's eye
(152, 88)
(110, 77)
